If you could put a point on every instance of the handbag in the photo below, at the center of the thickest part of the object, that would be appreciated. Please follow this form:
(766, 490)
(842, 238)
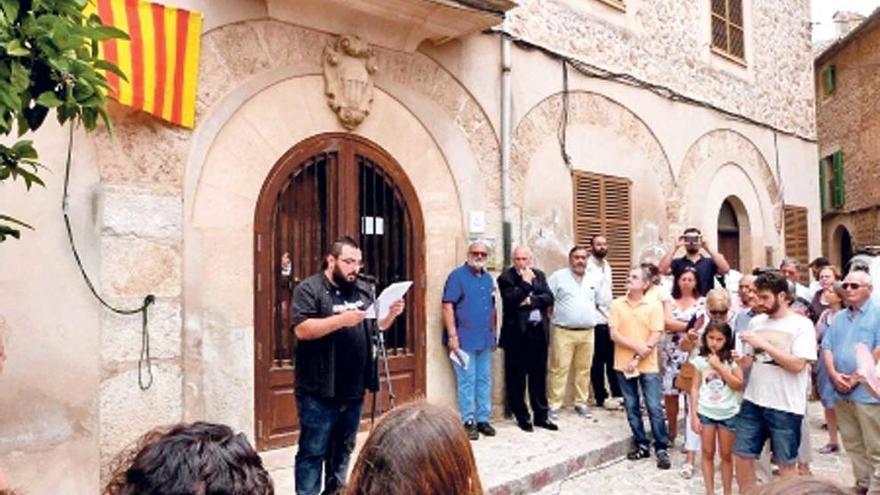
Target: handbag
(686, 375)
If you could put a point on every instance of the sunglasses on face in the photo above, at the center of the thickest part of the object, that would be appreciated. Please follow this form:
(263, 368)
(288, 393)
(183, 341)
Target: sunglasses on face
(478, 254)
(718, 312)
(852, 285)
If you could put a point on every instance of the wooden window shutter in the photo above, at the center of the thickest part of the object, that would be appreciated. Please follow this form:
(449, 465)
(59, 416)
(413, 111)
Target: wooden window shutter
(796, 238)
(823, 194)
(603, 206)
(837, 196)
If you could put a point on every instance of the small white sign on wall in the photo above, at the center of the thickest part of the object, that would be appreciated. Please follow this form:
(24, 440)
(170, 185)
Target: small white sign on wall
(477, 222)
(372, 226)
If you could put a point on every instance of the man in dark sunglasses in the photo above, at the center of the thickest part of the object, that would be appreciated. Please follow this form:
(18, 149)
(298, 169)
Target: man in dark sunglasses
(858, 411)
(469, 317)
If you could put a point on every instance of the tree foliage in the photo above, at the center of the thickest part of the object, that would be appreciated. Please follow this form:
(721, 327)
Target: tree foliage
(48, 61)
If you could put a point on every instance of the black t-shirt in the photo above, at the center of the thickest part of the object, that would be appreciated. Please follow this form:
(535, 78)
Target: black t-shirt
(705, 268)
(337, 365)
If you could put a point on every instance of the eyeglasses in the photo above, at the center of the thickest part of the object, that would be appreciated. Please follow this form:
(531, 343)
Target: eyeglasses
(478, 254)
(718, 312)
(851, 285)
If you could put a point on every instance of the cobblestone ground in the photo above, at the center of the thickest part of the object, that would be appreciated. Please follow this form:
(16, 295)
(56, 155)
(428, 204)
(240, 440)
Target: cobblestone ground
(643, 478)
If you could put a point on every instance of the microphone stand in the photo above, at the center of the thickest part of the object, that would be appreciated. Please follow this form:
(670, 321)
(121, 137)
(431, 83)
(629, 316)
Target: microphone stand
(379, 338)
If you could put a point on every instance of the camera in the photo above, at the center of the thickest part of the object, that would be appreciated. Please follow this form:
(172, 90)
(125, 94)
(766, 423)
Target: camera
(692, 238)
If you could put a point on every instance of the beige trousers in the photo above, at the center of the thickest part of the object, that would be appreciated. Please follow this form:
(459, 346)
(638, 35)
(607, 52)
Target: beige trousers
(570, 349)
(859, 426)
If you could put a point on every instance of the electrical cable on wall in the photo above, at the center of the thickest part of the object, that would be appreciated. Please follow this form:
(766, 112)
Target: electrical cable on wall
(144, 362)
(596, 72)
(562, 131)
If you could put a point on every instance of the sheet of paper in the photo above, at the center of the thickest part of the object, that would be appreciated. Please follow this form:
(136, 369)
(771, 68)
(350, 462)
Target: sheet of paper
(388, 296)
(460, 358)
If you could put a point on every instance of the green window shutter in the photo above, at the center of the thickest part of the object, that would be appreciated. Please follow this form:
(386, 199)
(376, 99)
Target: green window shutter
(837, 196)
(823, 194)
(830, 79)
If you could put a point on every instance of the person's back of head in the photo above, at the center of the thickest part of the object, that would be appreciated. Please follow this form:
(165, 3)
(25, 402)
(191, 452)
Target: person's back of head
(191, 459)
(416, 449)
(799, 485)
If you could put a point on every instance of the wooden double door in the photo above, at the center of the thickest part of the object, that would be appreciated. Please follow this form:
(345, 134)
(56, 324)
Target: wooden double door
(326, 187)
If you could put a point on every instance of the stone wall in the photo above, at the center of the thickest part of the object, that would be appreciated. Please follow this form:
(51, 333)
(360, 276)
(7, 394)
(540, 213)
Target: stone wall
(667, 42)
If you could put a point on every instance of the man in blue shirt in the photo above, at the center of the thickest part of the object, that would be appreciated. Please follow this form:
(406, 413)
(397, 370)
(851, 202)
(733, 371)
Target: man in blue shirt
(858, 412)
(469, 317)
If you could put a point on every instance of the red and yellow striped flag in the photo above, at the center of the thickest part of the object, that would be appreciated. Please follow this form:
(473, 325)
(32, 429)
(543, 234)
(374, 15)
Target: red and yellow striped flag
(160, 60)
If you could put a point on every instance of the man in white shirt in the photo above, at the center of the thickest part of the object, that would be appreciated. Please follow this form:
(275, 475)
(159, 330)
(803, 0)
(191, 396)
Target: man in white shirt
(575, 295)
(779, 344)
(602, 367)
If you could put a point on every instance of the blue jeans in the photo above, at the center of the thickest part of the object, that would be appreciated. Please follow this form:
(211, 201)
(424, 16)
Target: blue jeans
(755, 424)
(651, 390)
(326, 439)
(475, 387)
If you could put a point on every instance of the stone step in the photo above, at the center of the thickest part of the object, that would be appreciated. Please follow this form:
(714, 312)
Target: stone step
(516, 462)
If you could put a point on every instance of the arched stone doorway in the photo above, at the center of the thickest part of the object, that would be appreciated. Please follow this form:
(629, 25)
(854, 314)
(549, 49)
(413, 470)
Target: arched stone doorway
(842, 247)
(327, 186)
(728, 235)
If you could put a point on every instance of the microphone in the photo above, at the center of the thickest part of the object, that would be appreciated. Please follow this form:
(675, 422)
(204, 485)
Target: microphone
(367, 278)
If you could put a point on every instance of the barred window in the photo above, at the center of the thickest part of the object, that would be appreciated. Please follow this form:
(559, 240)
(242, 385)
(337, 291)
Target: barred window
(728, 36)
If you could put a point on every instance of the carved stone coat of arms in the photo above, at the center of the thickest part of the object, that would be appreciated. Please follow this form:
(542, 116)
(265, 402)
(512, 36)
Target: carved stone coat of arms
(349, 64)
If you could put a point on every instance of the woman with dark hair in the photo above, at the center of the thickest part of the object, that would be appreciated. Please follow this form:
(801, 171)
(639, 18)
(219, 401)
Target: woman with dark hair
(715, 398)
(416, 449)
(681, 312)
(190, 459)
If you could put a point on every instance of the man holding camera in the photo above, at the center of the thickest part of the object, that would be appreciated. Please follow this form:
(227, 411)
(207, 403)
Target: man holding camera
(707, 267)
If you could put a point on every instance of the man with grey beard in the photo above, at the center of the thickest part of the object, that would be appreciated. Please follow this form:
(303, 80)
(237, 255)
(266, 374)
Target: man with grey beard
(469, 317)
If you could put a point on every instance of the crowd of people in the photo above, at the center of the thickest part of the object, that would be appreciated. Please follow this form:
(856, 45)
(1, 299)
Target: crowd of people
(738, 365)
(738, 369)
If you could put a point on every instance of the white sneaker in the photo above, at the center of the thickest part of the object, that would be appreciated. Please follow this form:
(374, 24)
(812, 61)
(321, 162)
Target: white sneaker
(583, 411)
(686, 471)
(553, 414)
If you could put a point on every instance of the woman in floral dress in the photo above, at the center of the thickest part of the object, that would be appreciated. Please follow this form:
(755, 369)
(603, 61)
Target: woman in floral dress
(686, 304)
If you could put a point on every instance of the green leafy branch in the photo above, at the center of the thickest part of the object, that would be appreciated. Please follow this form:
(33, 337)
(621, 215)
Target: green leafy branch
(48, 61)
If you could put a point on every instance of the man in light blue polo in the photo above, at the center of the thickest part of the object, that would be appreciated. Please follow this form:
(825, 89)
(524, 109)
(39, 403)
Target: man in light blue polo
(858, 412)
(576, 293)
(469, 317)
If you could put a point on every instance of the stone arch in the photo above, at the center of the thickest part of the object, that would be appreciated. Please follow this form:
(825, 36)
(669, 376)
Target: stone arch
(281, 47)
(604, 137)
(835, 232)
(541, 122)
(240, 59)
(744, 225)
(219, 321)
(706, 157)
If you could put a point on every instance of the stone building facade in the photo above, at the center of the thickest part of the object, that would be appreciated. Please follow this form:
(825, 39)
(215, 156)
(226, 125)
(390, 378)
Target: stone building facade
(689, 132)
(848, 128)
